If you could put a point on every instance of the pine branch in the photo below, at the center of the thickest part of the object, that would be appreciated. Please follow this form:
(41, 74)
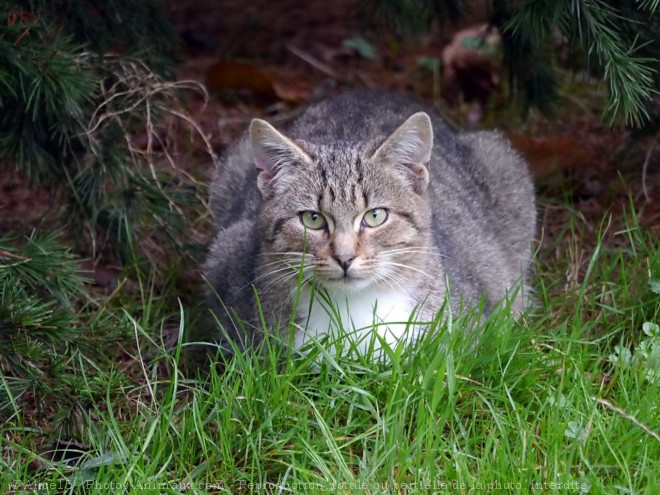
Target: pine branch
(597, 28)
(629, 77)
(47, 320)
(102, 26)
(43, 93)
(42, 265)
(68, 118)
(650, 5)
(39, 288)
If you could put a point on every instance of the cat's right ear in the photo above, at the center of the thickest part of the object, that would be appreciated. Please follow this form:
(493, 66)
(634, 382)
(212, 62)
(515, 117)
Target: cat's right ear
(272, 152)
(409, 149)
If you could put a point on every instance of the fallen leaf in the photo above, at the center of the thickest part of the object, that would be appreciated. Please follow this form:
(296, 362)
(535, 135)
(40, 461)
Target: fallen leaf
(548, 155)
(238, 75)
(275, 83)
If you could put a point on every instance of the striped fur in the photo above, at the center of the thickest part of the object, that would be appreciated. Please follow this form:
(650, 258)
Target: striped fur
(460, 211)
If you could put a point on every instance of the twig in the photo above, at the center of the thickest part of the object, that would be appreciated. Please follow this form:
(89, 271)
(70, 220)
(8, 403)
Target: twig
(315, 63)
(629, 417)
(470, 380)
(646, 166)
(141, 361)
(192, 122)
(7, 254)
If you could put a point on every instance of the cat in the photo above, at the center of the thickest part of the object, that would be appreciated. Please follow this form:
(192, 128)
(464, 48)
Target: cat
(366, 212)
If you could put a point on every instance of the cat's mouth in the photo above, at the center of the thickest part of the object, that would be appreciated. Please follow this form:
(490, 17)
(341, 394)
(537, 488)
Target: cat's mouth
(343, 275)
(346, 283)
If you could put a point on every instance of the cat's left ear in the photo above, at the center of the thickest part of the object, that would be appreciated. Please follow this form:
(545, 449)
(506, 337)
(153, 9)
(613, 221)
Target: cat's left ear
(272, 152)
(409, 149)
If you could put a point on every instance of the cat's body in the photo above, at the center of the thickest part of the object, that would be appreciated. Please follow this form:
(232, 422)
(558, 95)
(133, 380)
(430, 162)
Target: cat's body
(371, 211)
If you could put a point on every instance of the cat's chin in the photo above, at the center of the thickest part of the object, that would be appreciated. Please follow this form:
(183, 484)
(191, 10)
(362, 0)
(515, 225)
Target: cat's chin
(345, 284)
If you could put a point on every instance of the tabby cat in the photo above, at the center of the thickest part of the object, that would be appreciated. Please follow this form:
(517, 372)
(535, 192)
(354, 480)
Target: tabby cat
(365, 213)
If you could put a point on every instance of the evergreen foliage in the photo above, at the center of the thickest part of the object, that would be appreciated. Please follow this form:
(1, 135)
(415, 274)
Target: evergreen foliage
(617, 41)
(49, 83)
(133, 25)
(44, 91)
(76, 97)
(70, 110)
(42, 299)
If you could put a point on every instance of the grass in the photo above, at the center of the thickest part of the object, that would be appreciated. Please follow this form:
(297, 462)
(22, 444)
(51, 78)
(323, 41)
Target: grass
(564, 401)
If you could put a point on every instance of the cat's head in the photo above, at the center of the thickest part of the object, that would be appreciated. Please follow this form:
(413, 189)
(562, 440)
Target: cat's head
(347, 215)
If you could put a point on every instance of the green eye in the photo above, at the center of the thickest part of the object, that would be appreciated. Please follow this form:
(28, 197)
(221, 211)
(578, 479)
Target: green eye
(375, 217)
(313, 220)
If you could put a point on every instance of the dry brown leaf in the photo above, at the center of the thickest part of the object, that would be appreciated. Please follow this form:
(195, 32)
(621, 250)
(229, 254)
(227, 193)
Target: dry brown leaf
(267, 82)
(548, 155)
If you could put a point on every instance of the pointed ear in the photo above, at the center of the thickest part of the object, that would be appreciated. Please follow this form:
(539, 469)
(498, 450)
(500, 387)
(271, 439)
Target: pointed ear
(272, 151)
(409, 149)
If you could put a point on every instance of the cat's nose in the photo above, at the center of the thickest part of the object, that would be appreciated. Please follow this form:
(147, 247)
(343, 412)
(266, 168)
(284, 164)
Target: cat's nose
(344, 262)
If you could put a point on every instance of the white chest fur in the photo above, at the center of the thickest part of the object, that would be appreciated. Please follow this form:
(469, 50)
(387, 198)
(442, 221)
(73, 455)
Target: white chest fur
(359, 315)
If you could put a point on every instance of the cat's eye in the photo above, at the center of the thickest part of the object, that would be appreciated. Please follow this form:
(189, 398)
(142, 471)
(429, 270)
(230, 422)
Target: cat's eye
(375, 217)
(313, 220)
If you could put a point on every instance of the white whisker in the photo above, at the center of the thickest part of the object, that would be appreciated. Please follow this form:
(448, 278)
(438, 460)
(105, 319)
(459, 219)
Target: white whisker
(282, 279)
(403, 265)
(383, 278)
(263, 275)
(398, 280)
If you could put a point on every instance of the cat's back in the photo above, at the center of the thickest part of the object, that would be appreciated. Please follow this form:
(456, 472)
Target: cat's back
(364, 117)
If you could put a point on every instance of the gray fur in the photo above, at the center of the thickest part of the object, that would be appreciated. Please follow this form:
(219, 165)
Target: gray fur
(475, 220)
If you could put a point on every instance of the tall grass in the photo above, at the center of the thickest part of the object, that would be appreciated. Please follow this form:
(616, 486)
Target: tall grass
(563, 401)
